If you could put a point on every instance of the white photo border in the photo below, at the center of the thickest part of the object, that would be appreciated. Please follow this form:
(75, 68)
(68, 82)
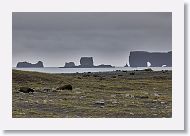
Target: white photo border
(174, 123)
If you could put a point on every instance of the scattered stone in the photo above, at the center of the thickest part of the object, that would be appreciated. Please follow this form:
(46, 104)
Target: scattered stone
(102, 78)
(78, 92)
(85, 75)
(127, 95)
(162, 102)
(157, 95)
(132, 73)
(81, 97)
(148, 69)
(141, 97)
(95, 75)
(26, 90)
(113, 95)
(131, 113)
(45, 101)
(46, 90)
(65, 87)
(115, 102)
(54, 90)
(100, 103)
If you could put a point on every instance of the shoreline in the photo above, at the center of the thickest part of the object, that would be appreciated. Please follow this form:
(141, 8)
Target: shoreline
(56, 70)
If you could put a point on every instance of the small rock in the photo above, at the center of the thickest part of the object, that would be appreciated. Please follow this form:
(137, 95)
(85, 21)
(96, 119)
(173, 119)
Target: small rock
(127, 95)
(46, 90)
(157, 95)
(102, 78)
(101, 102)
(26, 90)
(65, 87)
(102, 106)
(115, 102)
(131, 113)
(132, 73)
(81, 97)
(141, 97)
(113, 95)
(162, 102)
(44, 101)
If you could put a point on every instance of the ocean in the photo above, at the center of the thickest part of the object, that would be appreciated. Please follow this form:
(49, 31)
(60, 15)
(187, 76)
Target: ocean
(82, 70)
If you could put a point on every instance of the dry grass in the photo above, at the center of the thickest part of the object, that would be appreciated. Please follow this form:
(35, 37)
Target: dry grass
(146, 94)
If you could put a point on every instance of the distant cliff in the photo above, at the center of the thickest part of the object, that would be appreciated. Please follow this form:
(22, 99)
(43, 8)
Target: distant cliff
(25, 64)
(156, 59)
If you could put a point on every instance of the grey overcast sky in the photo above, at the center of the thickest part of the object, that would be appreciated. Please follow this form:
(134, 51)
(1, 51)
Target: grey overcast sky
(56, 38)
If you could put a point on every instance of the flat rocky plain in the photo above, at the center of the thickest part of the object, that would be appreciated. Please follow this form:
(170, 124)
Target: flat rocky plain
(117, 94)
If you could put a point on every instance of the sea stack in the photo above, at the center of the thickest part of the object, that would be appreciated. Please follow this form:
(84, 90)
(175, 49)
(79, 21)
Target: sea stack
(69, 65)
(25, 64)
(156, 59)
(86, 62)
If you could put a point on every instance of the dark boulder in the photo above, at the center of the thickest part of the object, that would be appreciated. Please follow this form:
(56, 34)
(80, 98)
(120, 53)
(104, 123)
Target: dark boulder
(26, 90)
(65, 87)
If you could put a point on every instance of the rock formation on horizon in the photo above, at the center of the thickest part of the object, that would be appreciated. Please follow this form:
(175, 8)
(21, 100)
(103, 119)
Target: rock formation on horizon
(86, 62)
(156, 59)
(69, 65)
(25, 64)
(104, 66)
